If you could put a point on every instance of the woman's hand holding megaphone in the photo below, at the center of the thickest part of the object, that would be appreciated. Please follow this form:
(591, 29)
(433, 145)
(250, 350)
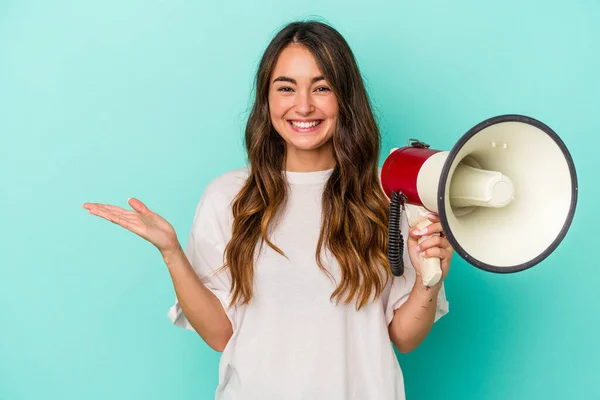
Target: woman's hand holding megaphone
(433, 244)
(141, 221)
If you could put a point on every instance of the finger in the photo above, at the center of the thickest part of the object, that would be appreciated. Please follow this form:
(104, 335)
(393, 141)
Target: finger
(434, 241)
(113, 210)
(96, 206)
(411, 242)
(103, 213)
(89, 205)
(437, 252)
(438, 240)
(446, 245)
(118, 219)
(138, 206)
(433, 217)
(432, 228)
(413, 238)
(415, 233)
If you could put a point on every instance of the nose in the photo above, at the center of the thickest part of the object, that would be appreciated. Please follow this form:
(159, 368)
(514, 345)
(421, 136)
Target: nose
(304, 104)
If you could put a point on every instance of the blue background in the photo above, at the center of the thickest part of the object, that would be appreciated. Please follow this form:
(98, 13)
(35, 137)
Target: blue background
(105, 100)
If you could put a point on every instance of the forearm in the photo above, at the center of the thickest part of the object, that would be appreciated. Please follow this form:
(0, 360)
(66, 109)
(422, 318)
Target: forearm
(200, 306)
(413, 320)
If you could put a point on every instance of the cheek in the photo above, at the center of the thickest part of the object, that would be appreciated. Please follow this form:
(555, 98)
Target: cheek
(272, 106)
(276, 111)
(329, 107)
(278, 105)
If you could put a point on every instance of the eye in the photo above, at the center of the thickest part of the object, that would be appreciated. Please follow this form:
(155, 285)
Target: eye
(285, 89)
(323, 89)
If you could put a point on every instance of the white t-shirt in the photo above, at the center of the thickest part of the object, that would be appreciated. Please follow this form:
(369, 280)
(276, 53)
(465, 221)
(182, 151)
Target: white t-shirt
(291, 342)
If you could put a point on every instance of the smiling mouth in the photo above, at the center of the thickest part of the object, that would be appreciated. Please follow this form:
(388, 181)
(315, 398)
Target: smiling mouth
(305, 126)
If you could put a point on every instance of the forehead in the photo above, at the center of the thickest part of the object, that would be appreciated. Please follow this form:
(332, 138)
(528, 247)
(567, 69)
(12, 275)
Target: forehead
(296, 61)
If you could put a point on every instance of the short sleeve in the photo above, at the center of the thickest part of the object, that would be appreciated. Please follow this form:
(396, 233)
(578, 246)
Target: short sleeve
(402, 285)
(205, 251)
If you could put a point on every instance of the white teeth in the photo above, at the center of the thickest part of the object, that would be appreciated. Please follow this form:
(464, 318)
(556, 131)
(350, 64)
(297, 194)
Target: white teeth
(305, 124)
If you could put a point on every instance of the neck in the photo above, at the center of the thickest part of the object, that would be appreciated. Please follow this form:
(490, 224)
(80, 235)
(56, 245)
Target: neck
(320, 159)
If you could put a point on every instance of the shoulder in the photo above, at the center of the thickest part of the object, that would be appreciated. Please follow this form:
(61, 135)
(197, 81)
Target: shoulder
(213, 217)
(227, 184)
(219, 193)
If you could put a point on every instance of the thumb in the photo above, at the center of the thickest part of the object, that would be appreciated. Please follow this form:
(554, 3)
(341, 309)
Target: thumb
(138, 206)
(412, 237)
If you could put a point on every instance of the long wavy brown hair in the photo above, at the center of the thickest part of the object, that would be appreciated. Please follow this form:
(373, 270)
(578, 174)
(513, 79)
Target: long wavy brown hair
(354, 207)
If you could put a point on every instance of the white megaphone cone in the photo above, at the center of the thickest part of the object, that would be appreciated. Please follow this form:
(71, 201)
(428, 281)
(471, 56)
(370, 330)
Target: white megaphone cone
(505, 194)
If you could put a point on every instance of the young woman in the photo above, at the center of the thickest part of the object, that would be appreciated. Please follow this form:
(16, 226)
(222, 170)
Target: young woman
(285, 270)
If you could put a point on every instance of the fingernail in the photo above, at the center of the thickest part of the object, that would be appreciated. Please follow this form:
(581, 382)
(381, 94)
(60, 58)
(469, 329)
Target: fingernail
(419, 249)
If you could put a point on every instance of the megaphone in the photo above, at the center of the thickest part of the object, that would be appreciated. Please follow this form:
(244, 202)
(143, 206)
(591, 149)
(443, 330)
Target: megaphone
(505, 195)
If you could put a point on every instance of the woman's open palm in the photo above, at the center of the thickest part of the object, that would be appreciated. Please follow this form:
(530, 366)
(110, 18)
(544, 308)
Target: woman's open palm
(140, 221)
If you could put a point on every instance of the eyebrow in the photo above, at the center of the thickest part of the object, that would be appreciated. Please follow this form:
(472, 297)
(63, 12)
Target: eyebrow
(291, 80)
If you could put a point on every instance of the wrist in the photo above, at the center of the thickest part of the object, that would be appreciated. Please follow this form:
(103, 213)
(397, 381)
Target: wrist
(425, 292)
(172, 253)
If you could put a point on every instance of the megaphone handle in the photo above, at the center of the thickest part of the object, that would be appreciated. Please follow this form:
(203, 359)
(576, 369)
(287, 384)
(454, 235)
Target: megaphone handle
(431, 271)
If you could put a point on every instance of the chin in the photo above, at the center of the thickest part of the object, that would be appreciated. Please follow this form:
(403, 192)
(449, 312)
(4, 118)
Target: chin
(308, 144)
